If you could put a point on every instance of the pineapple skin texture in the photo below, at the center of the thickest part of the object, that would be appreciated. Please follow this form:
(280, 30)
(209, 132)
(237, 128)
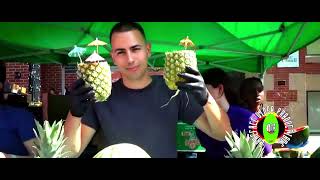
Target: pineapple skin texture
(98, 76)
(176, 63)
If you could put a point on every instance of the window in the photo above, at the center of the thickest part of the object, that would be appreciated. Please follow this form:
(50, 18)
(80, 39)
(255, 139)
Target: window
(313, 52)
(313, 100)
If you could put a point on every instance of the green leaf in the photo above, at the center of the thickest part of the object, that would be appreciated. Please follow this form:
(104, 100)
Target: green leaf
(54, 131)
(230, 155)
(236, 153)
(244, 146)
(236, 139)
(229, 140)
(252, 144)
(258, 151)
(51, 140)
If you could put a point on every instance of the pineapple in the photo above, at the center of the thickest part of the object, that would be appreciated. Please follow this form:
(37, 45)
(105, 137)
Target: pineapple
(96, 72)
(122, 150)
(176, 63)
(51, 140)
(243, 146)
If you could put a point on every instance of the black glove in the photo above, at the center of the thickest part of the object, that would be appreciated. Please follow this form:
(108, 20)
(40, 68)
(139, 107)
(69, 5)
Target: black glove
(194, 85)
(81, 97)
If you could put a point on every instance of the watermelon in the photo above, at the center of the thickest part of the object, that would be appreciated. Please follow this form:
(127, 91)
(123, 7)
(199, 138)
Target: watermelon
(299, 137)
(316, 153)
(288, 153)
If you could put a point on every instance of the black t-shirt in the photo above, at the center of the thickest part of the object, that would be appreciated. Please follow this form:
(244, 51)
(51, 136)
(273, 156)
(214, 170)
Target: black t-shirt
(135, 116)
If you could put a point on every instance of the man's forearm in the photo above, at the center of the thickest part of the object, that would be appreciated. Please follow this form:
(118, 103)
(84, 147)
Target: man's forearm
(218, 119)
(72, 131)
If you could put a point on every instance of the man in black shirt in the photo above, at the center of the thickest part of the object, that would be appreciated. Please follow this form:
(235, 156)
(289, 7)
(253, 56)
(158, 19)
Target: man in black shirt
(132, 113)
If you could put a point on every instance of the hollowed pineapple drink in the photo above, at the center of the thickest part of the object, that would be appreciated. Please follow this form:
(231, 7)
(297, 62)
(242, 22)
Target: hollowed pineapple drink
(96, 72)
(176, 62)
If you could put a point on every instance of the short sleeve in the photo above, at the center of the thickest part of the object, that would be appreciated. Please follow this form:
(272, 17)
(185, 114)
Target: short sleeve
(189, 109)
(26, 124)
(245, 122)
(90, 118)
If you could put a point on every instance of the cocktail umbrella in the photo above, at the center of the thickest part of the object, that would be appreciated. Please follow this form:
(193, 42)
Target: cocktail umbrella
(97, 43)
(77, 52)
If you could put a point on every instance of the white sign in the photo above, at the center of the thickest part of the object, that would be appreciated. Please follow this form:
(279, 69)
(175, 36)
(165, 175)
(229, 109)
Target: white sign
(291, 61)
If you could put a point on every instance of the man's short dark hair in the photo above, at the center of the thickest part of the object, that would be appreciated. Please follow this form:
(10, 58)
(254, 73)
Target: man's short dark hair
(216, 76)
(125, 27)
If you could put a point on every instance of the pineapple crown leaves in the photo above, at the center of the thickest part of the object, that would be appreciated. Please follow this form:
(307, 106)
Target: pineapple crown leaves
(51, 140)
(243, 146)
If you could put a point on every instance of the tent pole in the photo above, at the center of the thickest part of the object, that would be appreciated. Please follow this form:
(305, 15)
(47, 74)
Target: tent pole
(63, 79)
(262, 69)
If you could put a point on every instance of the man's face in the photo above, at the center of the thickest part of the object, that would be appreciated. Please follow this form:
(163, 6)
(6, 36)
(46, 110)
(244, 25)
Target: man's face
(130, 53)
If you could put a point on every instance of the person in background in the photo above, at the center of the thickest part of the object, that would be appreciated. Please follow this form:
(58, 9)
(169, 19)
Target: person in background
(67, 92)
(219, 85)
(52, 91)
(252, 96)
(16, 128)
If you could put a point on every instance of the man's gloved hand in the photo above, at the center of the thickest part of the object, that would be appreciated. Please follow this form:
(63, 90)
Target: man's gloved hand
(81, 97)
(194, 84)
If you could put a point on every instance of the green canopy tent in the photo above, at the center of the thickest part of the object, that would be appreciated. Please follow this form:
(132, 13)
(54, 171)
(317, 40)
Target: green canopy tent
(240, 46)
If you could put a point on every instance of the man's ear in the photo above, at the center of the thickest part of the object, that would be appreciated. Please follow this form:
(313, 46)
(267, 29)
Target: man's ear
(148, 46)
(210, 88)
(221, 90)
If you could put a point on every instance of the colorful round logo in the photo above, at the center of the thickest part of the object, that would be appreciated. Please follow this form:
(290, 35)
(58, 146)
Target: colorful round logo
(271, 127)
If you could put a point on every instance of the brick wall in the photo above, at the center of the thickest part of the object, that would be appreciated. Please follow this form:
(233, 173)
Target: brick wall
(50, 77)
(23, 69)
(70, 78)
(308, 68)
(281, 95)
(292, 95)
